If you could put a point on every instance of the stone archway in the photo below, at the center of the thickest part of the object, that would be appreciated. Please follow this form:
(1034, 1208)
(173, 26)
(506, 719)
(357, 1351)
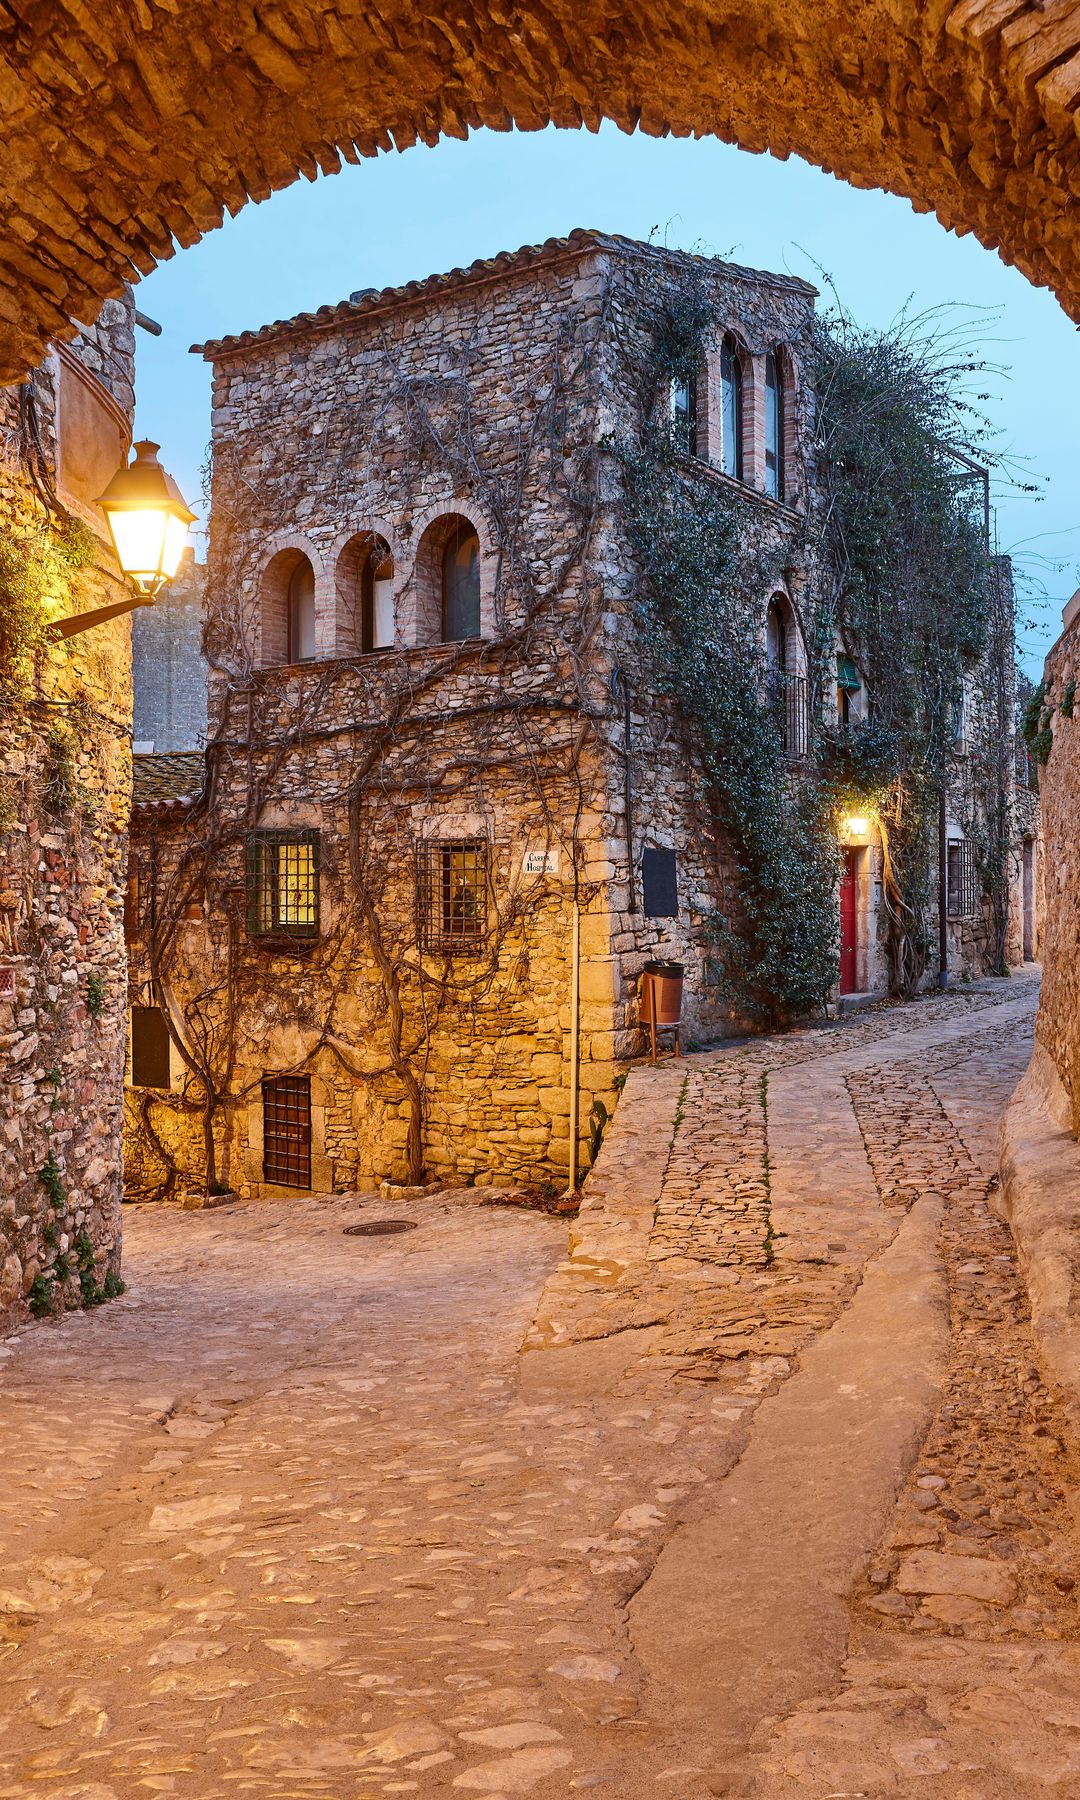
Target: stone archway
(133, 128)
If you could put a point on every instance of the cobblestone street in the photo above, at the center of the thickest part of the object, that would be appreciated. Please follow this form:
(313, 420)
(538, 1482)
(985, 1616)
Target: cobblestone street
(774, 1502)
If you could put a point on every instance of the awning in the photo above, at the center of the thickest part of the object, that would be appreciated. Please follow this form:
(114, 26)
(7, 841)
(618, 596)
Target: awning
(847, 675)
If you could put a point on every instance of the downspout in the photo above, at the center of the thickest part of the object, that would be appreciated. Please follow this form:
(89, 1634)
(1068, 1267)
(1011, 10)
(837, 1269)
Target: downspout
(617, 676)
(943, 903)
(575, 993)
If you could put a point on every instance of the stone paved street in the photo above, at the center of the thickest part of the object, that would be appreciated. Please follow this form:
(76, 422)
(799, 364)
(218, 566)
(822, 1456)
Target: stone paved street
(776, 1500)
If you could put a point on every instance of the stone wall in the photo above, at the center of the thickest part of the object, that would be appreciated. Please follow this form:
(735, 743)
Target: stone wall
(1057, 1027)
(64, 794)
(169, 671)
(130, 131)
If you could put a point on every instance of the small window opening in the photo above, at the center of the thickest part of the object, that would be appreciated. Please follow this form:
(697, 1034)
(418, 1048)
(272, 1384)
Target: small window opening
(774, 427)
(684, 414)
(302, 613)
(377, 600)
(731, 409)
(461, 585)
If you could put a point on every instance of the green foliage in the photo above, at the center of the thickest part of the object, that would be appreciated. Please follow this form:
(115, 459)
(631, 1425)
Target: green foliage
(1068, 699)
(9, 811)
(35, 567)
(42, 1296)
(52, 1181)
(776, 941)
(909, 589)
(1036, 725)
(59, 783)
(95, 995)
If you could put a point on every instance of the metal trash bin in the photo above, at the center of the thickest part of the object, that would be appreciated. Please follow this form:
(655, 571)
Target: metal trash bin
(661, 1001)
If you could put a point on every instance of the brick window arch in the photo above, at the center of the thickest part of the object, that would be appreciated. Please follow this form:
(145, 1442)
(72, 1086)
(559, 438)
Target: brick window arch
(776, 383)
(365, 596)
(287, 610)
(732, 423)
(449, 581)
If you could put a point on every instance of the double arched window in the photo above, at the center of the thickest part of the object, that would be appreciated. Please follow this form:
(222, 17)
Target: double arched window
(287, 610)
(301, 604)
(774, 425)
(731, 409)
(685, 412)
(461, 584)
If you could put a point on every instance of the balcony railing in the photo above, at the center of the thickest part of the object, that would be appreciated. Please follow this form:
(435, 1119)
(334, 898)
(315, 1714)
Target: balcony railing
(790, 696)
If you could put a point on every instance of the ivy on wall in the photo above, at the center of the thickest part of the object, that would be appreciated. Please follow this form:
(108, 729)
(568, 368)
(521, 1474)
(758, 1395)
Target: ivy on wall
(901, 580)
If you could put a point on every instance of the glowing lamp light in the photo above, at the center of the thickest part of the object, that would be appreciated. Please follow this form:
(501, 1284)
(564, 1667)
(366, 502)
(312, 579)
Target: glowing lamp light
(148, 518)
(856, 826)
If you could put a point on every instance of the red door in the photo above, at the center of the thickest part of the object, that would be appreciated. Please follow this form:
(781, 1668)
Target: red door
(848, 886)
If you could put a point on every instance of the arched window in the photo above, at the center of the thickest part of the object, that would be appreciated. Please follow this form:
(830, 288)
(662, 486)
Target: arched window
(731, 409)
(776, 638)
(461, 585)
(377, 599)
(684, 414)
(774, 426)
(301, 604)
(287, 610)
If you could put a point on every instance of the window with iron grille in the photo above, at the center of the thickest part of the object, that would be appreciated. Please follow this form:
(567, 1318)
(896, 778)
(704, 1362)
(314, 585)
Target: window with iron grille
(451, 892)
(283, 884)
(287, 1130)
(961, 880)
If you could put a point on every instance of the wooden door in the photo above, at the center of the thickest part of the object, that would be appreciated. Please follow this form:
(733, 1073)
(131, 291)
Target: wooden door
(849, 886)
(287, 1131)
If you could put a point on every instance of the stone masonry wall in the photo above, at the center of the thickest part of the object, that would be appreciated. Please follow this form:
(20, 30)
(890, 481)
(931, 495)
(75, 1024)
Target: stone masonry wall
(1057, 1026)
(169, 671)
(64, 795)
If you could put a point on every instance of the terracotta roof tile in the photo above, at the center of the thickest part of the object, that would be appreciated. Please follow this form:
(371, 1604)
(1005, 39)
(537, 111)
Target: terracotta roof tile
(554, 249)
(158, 778)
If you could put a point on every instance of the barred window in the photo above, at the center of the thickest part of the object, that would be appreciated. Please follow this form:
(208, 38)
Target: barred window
(961, 880)
(451, 892)
(283, 884)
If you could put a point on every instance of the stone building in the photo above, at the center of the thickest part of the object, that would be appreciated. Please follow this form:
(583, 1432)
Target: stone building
(447, 814)
(65, 756)
(168, 669)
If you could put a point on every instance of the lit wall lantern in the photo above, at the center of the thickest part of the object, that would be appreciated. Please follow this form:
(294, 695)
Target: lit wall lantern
(855, 825)
(148, 521)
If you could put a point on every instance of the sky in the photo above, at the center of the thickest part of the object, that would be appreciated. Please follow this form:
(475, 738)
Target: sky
(404, 216)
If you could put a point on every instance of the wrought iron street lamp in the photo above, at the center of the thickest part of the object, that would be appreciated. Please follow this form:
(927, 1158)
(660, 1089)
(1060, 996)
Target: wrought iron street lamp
(148, 519)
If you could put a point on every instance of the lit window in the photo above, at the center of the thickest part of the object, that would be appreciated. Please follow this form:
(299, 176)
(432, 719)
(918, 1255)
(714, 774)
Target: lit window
(774, 427)
(731, 409)
(452, 895)
(684, 414)
(283, 883)
(302, 613)
(461, 585)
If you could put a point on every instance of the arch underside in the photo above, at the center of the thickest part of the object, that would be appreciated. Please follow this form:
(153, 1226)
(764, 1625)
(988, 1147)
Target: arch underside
(133, 126)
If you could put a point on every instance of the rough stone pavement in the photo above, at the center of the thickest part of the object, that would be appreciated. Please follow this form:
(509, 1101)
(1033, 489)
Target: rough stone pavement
(294, 1518)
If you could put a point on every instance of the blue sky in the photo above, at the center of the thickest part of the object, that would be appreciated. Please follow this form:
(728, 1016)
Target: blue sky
(404, 216)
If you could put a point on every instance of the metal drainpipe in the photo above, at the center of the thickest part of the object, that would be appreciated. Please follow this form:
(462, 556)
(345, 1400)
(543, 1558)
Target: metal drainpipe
(575, 990)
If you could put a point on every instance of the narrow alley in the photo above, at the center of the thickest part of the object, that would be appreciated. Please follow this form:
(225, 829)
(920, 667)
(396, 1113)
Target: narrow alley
(757, 1491)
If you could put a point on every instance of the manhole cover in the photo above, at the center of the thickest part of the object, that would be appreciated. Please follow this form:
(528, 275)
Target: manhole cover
(380, 1227)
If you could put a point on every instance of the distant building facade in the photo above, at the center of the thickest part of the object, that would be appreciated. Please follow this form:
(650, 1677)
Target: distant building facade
(168, 669)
